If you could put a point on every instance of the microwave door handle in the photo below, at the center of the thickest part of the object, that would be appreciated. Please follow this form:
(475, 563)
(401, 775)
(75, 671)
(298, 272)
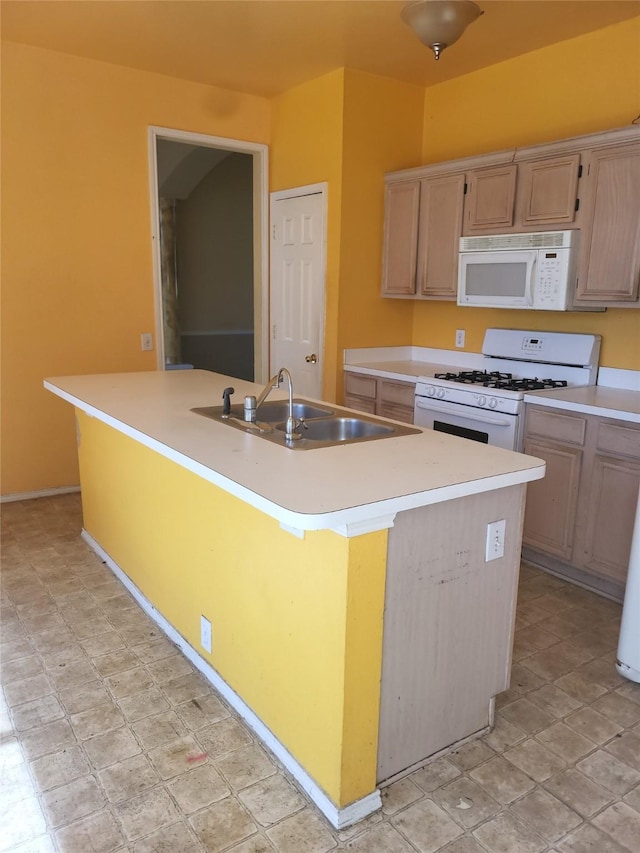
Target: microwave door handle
(453, 409)
(532, 278)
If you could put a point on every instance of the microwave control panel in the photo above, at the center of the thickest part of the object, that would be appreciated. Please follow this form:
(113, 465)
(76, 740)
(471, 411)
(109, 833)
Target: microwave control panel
(550, 290)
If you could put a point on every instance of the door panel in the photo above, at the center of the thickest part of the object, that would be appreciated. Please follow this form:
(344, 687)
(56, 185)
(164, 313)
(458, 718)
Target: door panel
(297, 290)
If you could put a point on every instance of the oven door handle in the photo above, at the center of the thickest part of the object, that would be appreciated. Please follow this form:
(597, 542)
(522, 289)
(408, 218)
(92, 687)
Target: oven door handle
(461, 411)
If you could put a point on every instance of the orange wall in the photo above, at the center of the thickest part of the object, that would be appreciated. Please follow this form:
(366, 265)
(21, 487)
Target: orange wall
(584, 85)
(306, 148)
(77, 263)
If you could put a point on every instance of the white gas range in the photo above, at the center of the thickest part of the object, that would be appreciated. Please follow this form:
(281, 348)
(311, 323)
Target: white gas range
(486, 404)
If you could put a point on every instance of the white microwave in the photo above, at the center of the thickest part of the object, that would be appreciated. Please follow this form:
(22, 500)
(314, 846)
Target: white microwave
(536, 271)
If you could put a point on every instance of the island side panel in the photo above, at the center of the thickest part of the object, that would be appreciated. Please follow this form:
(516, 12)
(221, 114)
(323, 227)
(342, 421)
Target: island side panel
(449, 621)
(296, 624)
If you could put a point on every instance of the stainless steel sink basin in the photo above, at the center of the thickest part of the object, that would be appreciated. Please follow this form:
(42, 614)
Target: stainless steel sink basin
(321, 426)
(341, 429)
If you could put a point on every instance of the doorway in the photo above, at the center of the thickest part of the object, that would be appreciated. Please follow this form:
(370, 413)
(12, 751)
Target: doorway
(209, 225)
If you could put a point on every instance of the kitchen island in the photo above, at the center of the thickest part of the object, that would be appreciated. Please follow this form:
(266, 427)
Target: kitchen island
(356, 624)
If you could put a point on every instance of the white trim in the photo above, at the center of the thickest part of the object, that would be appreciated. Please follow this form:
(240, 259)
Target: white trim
(338, 817)
(39, 493)
(320, 189)
(368, 525)
(294, 531)
(260, 154)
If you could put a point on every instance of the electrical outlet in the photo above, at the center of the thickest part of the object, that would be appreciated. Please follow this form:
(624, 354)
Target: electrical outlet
(459, 337)
(205, 634)
(146, 341)
(495, 540)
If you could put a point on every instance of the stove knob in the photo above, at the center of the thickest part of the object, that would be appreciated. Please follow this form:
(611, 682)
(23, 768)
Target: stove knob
(431, 391)
(493, 403)
(482, 401)
(440, 393)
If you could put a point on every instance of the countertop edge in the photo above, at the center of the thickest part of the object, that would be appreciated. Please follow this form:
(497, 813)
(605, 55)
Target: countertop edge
(347, 522)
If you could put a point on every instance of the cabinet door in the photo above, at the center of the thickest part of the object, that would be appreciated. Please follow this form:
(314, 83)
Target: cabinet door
(550, 514)
(547, 191)
(610, 239)
(400, 248)
(489, 204)
(441, 207)
(613, 493)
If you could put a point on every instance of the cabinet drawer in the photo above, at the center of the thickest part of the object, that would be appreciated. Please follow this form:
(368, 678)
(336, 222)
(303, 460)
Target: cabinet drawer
(397, 413)
(361, 386)
(554, 425)
(360, 404)
(622, 440)
(399, 393)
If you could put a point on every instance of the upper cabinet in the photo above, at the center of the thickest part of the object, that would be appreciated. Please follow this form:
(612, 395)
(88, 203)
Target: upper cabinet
(610, 234)
(590, 183)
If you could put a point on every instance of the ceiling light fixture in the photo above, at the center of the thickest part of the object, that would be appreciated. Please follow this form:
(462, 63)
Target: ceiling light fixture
(440, 23)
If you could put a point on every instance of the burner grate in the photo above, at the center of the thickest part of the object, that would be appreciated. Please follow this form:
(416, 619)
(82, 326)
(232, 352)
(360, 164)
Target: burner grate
(503, 381)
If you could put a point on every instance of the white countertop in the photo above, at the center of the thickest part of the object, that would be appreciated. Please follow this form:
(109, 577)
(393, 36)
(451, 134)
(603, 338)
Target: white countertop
(599, 400)
(347, 488)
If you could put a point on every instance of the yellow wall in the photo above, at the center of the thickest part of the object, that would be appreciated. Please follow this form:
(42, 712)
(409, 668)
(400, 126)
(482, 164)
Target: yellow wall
(584, 85)
(77, 285)
(296, 624)
(382, 133)
(306, 148)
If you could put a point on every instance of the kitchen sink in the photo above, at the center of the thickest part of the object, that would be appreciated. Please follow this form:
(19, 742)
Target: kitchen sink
(319, 426)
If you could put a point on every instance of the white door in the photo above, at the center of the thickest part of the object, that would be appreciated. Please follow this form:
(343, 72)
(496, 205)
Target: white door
(297, 286)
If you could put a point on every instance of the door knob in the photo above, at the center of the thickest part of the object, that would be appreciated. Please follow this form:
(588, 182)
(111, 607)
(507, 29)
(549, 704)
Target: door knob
(311, 359)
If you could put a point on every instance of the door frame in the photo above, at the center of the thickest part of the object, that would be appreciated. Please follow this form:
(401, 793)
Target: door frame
(295, 192)
(260, 154)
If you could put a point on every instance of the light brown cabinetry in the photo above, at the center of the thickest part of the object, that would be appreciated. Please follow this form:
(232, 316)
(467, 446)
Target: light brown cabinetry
(388, 398)
(579, 518)
(610, 238)
(590, 183)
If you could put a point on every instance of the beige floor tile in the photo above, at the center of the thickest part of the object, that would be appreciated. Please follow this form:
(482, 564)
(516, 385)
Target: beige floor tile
(199, 713)
(198, 788)
(502, 781)
(466, 844)
(59, 768)
(46, 739)
(588, 839)
(633, 798)
(553, 701)
(578, 685)
(467, 802)
(111, 747)
(116, 661)
(609, 772)
(622, 823)
(426, 826)
(271, 800)
(618, 709)
(15, 784)
(103, 644)
(435, 774)
(177, 757)
(187, 687)
(96, 721)
(129, 682)
(603, 672)
(470, 755)
(545, 814)
(223, 736)
(626, 747)
(17, 670)
(503, 735)
(169, 668)
(98, 833)
(579, 793)
(38, 712)
(147, 703)
(72, 674)
(399, 795)
(523, 679)
(527, 716)
(156, 650)
(256, 844)
(41, 844)
(565, 742)
(73, 801)
(535, 760)
(62, 656)
(82, 697)
(245, 766)
(177, 838)
(20, 821)
(630, 690)
(592, 725)
(146, 813)
(381, 839)
(128, 778)
(506, 834)
(548, 665)
(159, 729)
(15, 650)
(536, 637)
(222, 824)
(27, 689)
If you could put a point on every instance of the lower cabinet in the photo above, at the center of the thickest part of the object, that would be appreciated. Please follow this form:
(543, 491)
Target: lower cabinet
(579, 518)
(388, 398)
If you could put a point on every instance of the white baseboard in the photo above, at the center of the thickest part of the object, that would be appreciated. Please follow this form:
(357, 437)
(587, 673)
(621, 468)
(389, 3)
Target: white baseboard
(338, 817)
(39, 493)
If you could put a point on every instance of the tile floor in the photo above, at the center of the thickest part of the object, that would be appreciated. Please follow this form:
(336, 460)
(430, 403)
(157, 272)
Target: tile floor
(110, 741)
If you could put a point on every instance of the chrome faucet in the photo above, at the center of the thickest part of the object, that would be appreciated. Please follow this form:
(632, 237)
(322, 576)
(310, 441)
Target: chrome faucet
(292, 424)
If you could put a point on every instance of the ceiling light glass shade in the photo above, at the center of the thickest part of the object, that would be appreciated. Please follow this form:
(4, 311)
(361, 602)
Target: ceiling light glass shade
(440, 23)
